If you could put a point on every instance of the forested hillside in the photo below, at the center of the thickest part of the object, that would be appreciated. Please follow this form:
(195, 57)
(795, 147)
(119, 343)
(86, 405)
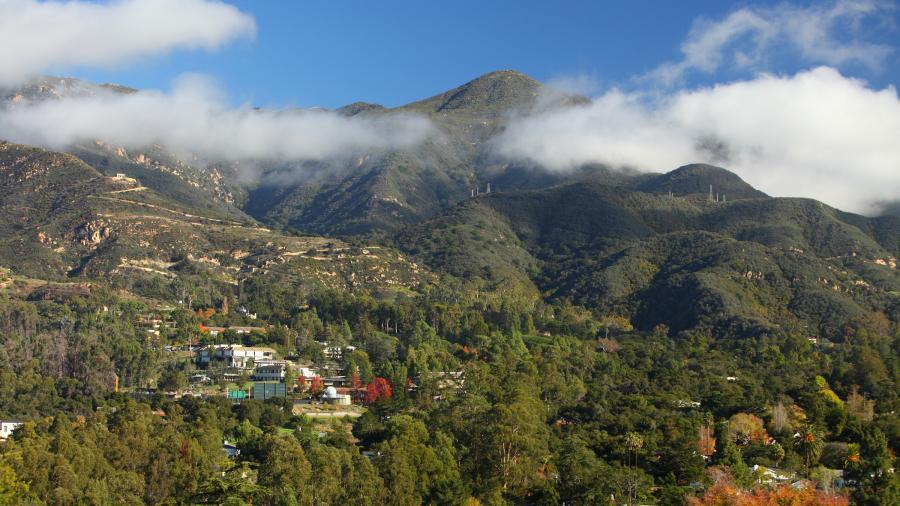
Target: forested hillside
(673, 257)
(548, 403)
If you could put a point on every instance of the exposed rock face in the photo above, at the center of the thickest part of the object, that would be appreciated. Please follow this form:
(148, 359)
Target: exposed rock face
(92, 233)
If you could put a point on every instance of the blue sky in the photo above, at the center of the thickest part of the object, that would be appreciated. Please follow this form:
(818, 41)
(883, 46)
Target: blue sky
(330, 53)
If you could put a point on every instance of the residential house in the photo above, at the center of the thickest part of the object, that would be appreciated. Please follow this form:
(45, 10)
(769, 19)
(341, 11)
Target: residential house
(335, 380)
(270, 371)
(306, 371)
(244, 312)
(772, 476)
(235, 355)
(7, 427)
(200, 378)
(214, 331)
(231, 449)
(450, 379)
(336, 352)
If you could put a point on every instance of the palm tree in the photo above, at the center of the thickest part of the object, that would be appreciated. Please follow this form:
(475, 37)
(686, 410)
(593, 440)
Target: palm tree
(809, 441)
(633, 442)
(851, 460)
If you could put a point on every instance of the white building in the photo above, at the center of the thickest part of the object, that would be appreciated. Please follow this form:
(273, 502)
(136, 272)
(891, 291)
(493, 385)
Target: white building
(275, 370)
(336, 352)
(235, 355)
(306, 372)
(215, 331)
(769, 476)
(332, 397)
(7, 427)
(270, 371)
(209, 353)
(200, 378)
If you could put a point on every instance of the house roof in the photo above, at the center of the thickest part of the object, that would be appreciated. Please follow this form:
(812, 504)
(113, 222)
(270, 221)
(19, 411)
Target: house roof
(254, 348)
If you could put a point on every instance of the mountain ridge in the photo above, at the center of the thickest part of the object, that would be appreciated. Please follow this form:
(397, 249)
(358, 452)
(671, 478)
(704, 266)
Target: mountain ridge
(652, 247)
(683, 261)
(696, 178)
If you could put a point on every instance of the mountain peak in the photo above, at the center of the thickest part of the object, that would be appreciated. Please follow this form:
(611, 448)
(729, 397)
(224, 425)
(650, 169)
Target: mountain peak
(491, 93)
(696, 179)
(503, 74)
(358, 108)
(42, 88)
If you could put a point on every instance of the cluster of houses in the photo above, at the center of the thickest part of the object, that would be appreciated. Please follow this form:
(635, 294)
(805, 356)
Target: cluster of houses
(260, 364)
(155, 323)
(233, 361)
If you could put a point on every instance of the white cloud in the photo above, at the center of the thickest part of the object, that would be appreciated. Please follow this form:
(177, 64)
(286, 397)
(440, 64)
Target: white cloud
(193, 119)
(815, 134)
(749, 37)
(38, 37)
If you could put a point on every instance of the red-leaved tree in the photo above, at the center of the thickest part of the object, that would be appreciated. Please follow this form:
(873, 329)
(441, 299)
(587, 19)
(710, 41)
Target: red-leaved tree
(379, 389)
(316, 386)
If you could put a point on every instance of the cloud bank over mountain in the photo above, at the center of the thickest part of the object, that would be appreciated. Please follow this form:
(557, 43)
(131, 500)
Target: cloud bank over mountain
(40, 37)
(816, 134)
(193, 119)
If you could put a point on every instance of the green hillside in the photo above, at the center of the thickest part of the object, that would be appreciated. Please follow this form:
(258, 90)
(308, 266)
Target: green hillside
(700, 179)
(61, 218)
(754, 264)
(212, 190)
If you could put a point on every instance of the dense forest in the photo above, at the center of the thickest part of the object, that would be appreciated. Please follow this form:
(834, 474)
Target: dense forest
(551, 403)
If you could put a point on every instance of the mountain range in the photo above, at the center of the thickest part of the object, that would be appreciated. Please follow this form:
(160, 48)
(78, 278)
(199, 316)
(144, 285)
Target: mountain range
(693, 247)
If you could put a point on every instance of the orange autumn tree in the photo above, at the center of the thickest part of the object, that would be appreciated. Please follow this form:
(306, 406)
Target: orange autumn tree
(744, 428)
(706, 441)
(725, 494)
